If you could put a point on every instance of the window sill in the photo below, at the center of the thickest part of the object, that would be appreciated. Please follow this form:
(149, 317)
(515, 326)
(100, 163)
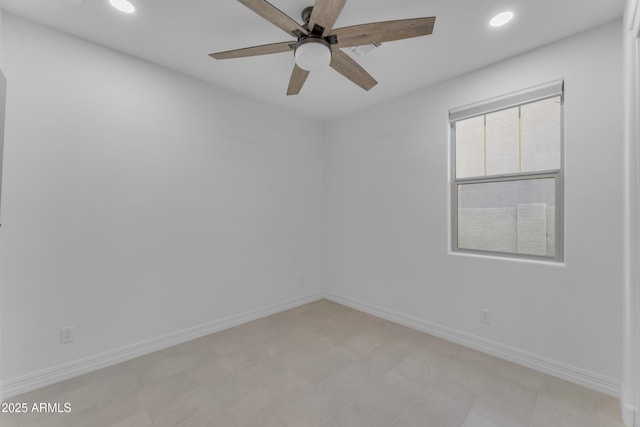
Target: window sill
(505, 257)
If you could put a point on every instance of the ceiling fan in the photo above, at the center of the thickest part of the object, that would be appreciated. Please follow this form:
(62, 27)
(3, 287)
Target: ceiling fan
(318, 43)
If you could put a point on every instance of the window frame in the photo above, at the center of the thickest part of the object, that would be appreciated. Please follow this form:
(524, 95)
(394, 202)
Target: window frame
(527, 96)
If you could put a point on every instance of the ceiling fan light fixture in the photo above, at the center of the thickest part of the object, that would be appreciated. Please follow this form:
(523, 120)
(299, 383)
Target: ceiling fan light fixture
(319, 45)
(501, 19)
(313, 54)
(123, 5)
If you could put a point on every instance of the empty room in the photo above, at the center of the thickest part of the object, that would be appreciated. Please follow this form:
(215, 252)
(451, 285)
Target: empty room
(294, 213)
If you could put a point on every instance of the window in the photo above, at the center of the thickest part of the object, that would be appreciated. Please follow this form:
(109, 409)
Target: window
(507, 175)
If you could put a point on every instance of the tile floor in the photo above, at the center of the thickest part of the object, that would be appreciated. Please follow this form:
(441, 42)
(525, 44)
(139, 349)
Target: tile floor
(325, 365)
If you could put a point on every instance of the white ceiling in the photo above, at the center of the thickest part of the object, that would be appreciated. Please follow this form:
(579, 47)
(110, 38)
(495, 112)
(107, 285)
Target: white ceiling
(179, 34)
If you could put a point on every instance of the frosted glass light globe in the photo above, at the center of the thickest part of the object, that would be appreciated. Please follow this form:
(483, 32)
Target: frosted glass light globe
(313, 55)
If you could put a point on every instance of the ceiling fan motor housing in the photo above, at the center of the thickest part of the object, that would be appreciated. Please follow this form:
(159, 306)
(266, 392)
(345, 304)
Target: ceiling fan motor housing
(306, 14)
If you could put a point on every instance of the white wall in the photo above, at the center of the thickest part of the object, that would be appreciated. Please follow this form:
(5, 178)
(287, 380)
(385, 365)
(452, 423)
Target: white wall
(388, 214)
(138, 201)
(631, 367)
(1, 153)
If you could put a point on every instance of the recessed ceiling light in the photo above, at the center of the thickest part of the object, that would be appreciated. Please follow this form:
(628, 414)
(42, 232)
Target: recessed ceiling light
(123, 5)
(501, 19)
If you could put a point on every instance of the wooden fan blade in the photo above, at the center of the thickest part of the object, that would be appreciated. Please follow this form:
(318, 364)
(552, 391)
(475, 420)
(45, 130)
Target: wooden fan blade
(275, 16)
(379, 32)
(298, 77)
(342, 63)
(324, 14)
(255, 50)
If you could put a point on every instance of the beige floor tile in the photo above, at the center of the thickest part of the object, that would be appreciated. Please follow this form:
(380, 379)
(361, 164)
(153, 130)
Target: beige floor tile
(506, 403)
(351, 416)
(365, 370)
(445, 404)
(320, 364)
(523, 375)
(184, 406)
(174, 363)
(213, 418)
(408, 420)
(381, 403)
(474, 376)
(416, 368)
(165, 389)
(611, 407)
(475, 420)
(362, 343)
(11, 420)
(607, 421)
(139, 419)
(318, 404)
(86, 391)
(547, 412)
(112, 410)
(566, 408)
(324, 364)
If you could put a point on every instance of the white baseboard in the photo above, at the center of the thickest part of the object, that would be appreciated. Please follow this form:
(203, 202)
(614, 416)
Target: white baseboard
(629, 411)
(36, 380)
(629, 415)
(592, 380)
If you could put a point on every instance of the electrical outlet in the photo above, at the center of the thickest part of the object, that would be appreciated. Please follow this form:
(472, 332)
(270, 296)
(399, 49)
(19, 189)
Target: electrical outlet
(66, 334)
(302, 282)
(486, 316)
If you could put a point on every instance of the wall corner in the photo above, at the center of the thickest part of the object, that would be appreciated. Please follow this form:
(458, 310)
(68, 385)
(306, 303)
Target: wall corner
(630, 398)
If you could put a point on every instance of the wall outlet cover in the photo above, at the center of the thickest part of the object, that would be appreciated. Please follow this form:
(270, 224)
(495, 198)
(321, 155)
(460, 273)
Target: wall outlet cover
(66, 334)
(486, 316)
